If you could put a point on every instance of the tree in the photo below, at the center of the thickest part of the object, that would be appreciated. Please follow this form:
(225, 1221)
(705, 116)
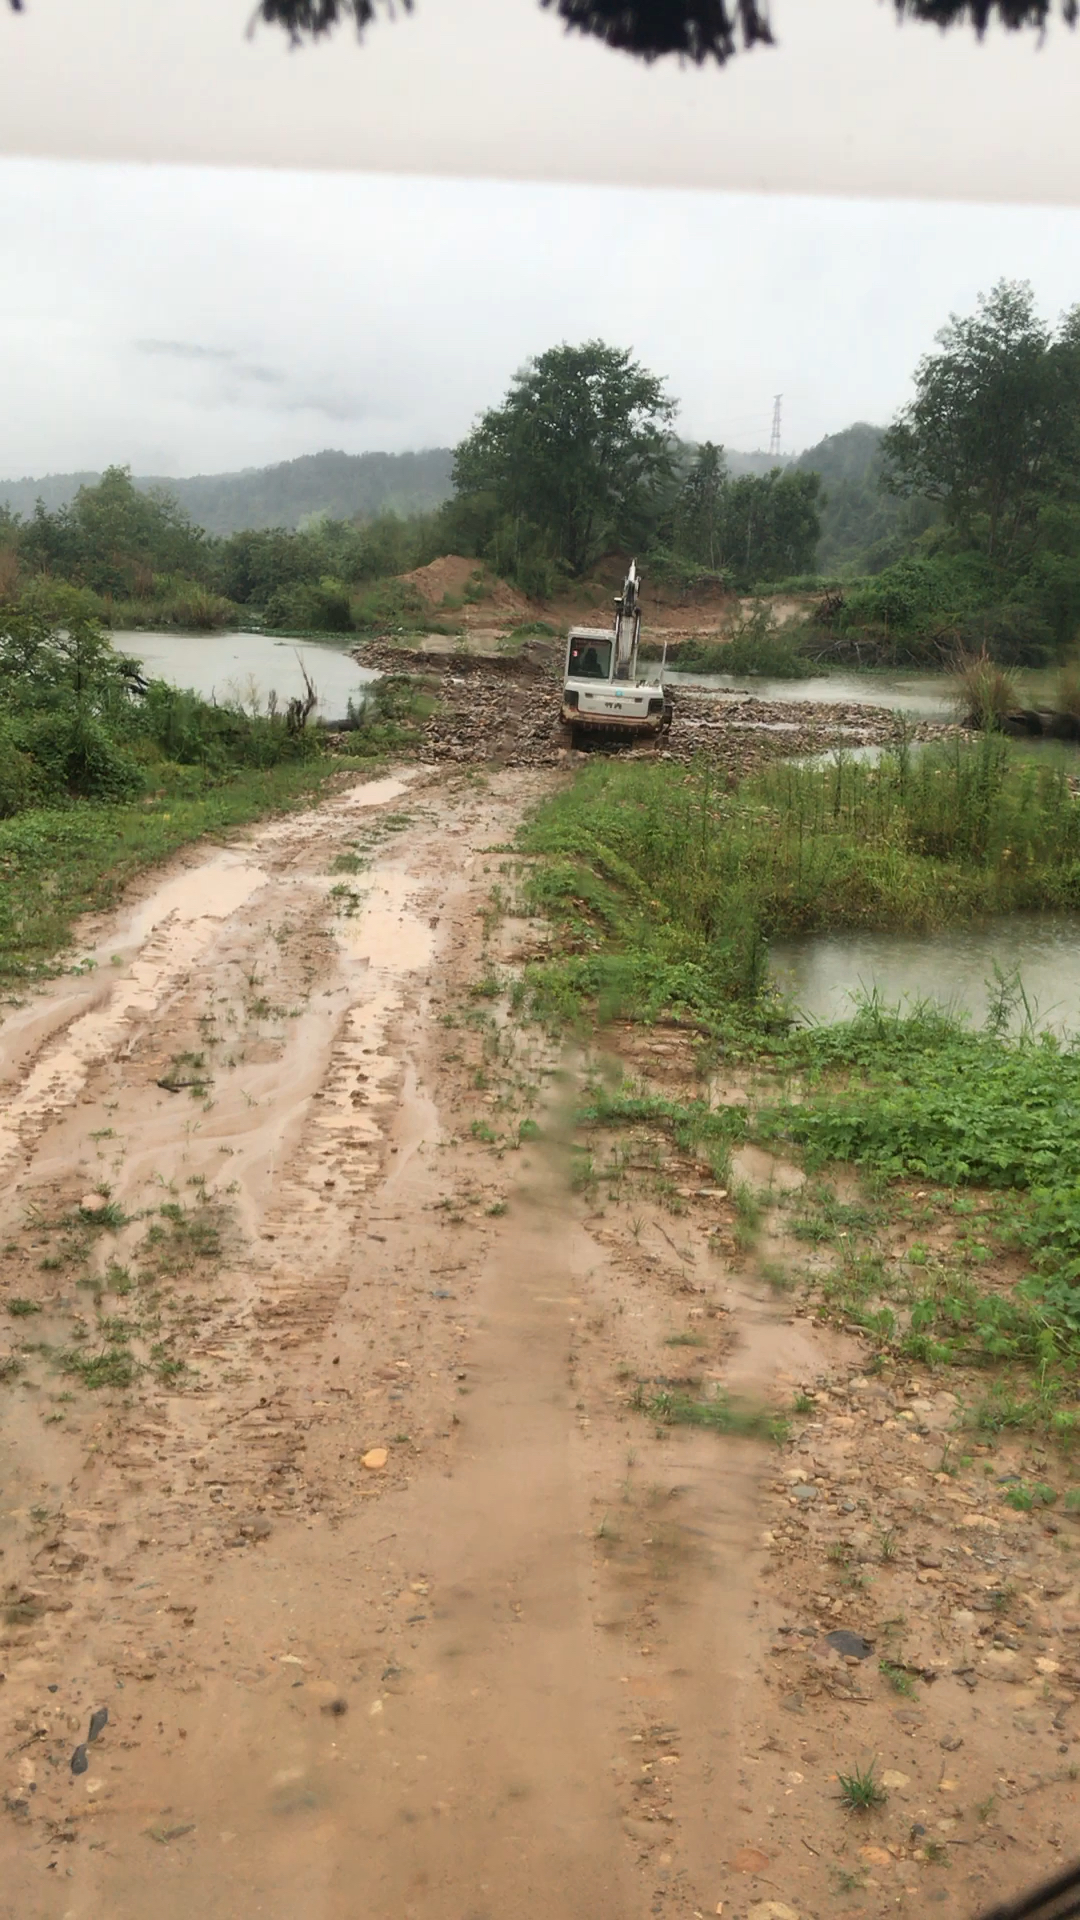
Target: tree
(576, 453)
(993, 432)
(699, 507)
(770, 526)
(696, 30)
(114, 538)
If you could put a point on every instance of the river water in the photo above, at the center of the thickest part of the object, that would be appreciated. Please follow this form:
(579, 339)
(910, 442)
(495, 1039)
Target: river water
(249, 666)
(925, 696)
(824, 974)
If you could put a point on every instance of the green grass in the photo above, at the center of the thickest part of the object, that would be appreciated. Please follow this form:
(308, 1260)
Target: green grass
(898, 1678)
(186, 606)
(667, 887)
(927, 1097)
(675, 1408)
(111, 1366)
(59, 862)
(860, 1791)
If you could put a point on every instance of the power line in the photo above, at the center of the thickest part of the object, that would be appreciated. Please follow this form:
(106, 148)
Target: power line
(774, 439)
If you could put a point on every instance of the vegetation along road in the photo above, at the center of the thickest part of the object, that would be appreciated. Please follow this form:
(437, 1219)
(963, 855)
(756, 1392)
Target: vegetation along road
(481, 1457)
(496, 1416)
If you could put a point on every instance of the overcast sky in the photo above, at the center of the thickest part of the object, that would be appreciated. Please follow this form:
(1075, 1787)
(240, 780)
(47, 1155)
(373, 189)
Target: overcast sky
(239, 310)
(194, 320)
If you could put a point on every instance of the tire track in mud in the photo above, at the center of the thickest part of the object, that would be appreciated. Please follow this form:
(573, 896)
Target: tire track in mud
(397, 1605)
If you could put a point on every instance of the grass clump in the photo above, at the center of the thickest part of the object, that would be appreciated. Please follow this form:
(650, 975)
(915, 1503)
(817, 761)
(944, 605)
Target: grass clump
(987, 691)
(860, 1790)
(675, 1408)
(113, 1365)
(1024, 1498)
(898, 1678)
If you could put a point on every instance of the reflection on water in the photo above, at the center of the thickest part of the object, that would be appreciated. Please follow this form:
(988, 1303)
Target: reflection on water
(249, 666)
(825, 973)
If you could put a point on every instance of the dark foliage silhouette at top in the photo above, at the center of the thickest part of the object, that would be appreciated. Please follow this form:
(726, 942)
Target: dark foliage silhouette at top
(696, 30)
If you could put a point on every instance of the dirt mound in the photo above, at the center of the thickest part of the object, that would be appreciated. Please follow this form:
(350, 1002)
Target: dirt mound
(467, 588)
(706, 609)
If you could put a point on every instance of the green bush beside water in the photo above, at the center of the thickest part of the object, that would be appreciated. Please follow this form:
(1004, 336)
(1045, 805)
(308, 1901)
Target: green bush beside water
(671, 886)
(667, 891)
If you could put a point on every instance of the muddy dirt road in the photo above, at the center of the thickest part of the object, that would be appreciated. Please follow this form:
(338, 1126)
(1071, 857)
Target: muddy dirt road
(321, 1472)
(323, 1542)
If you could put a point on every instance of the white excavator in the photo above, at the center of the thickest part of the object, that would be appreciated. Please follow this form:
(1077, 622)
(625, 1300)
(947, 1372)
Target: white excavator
(603, 695)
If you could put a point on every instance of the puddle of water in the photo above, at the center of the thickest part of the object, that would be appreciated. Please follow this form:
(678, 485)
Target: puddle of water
(375, 793)
(246, 666)
(210, 891)
(824, 974)
(181, 915)
(386, 933)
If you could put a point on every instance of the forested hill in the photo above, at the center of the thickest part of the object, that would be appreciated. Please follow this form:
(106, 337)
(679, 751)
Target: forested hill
(341, 485)
(863, 528)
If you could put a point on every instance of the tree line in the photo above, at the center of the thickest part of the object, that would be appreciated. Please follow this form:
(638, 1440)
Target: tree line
(960, 523)
(579, 459)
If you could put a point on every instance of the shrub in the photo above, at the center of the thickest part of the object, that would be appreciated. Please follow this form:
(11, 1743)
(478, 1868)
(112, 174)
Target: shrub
(77, 754)
(1017, 635)
(390, 606)
(310, 607)
(172, 604)
(759, 644)
(21, 784)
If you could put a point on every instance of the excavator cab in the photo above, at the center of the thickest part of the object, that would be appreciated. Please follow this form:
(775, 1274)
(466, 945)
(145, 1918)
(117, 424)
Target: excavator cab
(604, 697)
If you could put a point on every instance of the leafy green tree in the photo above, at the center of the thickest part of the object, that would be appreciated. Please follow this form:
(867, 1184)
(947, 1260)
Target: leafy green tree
(114, 538)
(576, 454)
(770, 525)
(993, 432)
(699, 508)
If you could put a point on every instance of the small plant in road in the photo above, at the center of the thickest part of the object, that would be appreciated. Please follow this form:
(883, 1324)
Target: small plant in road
(860, 1791)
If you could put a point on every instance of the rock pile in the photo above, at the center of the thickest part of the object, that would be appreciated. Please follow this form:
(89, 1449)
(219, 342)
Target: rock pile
(506, 712)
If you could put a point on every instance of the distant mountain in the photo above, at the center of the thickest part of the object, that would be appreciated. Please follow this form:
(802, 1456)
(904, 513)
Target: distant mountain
(863, 528)
(342, 485)
(758, 463)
